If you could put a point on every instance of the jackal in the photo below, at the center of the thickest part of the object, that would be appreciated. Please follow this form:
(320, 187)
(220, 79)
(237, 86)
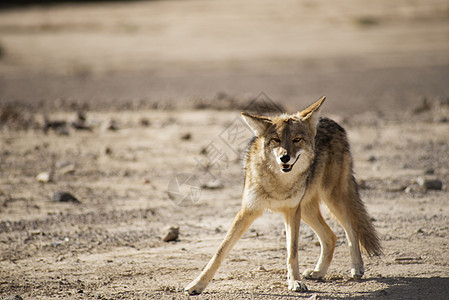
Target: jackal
(292, 164)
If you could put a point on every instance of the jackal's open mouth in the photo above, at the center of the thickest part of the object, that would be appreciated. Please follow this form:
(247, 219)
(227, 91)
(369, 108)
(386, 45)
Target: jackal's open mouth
(286, 168)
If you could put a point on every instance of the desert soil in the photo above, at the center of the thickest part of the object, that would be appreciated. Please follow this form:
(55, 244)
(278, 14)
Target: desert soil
(161, 91)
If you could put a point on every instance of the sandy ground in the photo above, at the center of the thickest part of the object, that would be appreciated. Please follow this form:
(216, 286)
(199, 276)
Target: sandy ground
(109, 246)
(161, 90)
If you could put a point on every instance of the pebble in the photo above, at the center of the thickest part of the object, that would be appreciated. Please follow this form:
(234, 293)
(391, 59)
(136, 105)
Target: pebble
(60, 196)
(372, 158)
(186, 136)
(69, 169)
(261, 268)
(144, 122)
(43, 177)
(429, 171)
(430, 184)
(172, 234)
(213, 185)
(59, 127)
(110, 125)
(414, 188)
(62, 163)
(80, 122)
(107, 150)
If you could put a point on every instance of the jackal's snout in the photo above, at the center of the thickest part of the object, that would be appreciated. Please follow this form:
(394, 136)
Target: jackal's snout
(285, 158)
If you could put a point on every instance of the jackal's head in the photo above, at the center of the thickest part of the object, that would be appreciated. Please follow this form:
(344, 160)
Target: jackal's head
(287, 139)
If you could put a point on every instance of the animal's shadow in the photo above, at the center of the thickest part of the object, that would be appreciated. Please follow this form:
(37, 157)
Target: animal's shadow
(434, 288)
(408, 288)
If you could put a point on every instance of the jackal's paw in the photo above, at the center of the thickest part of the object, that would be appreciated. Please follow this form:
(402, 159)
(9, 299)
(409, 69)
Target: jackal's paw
(357, 273)
(195, 287)
(297, 286)
(312, 274)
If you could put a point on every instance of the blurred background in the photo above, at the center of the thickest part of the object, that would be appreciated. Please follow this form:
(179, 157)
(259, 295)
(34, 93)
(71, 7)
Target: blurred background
(363, 55)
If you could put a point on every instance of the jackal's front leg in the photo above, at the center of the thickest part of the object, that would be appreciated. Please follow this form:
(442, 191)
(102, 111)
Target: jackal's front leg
(292, 222)
(242, 221)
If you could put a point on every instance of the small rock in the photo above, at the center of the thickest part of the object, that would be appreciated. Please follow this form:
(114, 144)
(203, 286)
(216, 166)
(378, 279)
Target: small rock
(69, 169)
(372, 158)
(429, 171)
(396, 188)
(144, 122)
(203, 151)
(430, 184)
(213, 185)
(111, 125)
(314, 297)
(261, 268)
(107, 150)
(172, 234)
(35, 232)
(186, 136)
(414, 188)
(443, 120)
(62, 163)
(363, 185)
(60, 196)
(80, 126)
(80, 122)
(59, 127)
(43, 177)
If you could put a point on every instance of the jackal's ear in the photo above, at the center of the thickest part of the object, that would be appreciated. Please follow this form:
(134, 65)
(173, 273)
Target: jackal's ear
(311, 113)
(258, 124)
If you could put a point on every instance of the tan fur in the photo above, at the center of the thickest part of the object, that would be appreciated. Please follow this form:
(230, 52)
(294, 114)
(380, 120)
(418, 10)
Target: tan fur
(293, 163)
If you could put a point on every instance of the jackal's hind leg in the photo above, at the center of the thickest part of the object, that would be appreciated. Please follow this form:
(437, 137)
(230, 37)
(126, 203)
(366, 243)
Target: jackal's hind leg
(341, 210)
(312, 216)
(357, 269)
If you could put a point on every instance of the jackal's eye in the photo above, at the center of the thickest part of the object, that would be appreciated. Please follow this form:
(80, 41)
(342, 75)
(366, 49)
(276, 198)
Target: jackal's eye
(297, 140)
(276, 140)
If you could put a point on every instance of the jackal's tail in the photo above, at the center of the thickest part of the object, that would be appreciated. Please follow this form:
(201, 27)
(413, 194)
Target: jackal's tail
(363, 223)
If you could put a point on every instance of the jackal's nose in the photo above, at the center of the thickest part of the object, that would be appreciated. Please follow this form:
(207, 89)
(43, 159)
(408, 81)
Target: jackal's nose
(285, 158)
